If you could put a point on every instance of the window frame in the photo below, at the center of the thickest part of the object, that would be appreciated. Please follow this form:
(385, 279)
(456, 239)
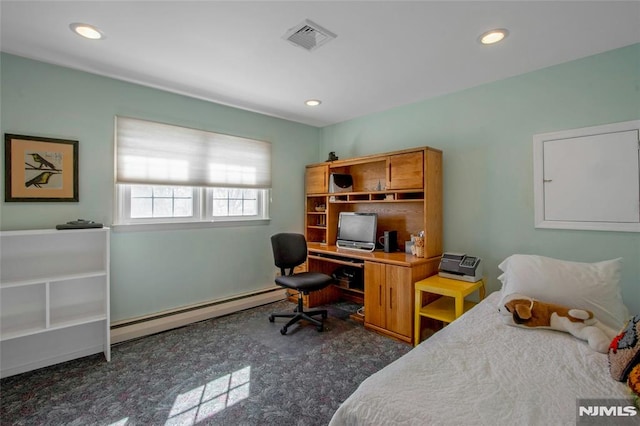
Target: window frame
(202, 212)
(263, 200)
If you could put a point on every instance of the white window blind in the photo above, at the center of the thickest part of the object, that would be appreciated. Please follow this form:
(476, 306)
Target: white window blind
(161, 154)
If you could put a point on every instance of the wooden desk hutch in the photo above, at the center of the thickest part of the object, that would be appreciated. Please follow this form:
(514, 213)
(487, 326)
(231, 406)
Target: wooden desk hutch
(404, 188)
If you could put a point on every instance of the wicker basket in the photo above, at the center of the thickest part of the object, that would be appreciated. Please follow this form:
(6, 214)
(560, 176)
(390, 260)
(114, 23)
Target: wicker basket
(417, 249)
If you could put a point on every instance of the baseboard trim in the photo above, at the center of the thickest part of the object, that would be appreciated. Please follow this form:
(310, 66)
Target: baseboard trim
(139, 327)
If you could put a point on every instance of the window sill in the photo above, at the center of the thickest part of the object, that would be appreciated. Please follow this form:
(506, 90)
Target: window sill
(170, 226)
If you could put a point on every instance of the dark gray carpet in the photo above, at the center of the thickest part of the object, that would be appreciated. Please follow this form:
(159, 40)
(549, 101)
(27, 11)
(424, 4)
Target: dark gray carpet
(233, 370)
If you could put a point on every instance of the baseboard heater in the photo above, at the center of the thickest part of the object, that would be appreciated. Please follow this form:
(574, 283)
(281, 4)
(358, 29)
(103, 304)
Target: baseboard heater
(167, 320)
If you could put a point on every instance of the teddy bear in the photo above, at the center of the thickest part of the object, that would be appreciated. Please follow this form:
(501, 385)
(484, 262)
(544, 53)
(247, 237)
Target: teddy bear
(523, 311)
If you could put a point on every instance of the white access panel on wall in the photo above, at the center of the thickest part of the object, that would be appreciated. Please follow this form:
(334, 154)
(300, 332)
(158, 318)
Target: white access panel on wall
(588, 178)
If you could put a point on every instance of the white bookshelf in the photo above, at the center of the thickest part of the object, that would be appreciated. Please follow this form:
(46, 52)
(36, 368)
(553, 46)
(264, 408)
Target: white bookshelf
(54, 297)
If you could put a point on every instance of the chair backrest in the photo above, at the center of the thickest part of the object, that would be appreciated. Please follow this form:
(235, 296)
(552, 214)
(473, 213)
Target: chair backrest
(289, 250)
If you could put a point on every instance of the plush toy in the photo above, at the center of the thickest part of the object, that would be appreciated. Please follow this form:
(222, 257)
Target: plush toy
(523, 311)
(634, 384)
(624, 351)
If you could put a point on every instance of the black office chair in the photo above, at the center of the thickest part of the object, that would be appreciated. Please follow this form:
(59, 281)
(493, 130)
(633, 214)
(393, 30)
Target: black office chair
(289, 251)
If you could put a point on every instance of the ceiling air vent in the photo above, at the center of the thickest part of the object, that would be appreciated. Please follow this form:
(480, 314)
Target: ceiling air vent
(308, 35)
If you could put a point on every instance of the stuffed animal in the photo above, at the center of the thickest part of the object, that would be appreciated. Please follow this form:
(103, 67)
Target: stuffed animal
(634, 384)
(523, 311)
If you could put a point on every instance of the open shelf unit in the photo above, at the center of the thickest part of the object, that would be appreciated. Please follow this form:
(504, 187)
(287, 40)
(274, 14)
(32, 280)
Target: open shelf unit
(54, 297)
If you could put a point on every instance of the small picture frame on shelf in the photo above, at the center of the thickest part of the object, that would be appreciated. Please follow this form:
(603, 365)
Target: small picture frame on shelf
(40, 169)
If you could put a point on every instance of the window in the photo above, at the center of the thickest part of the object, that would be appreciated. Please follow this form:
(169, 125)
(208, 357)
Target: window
(161, 201)
(234, 202)
(170, 174)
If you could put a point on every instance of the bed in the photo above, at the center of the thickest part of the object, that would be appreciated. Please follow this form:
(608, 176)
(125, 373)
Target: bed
(478, 370)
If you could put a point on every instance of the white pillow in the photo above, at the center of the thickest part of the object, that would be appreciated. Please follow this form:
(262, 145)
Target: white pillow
(592, 286)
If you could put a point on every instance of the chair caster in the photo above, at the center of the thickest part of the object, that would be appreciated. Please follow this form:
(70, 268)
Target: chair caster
(324, 315)
(283, 330)
(319, 328)
(271, 318)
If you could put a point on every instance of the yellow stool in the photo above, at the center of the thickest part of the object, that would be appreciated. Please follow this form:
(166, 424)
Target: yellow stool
(446, 308)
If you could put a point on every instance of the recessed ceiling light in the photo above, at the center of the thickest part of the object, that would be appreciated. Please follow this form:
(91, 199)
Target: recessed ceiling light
(312, 102)
(87, 31)
(493, 36)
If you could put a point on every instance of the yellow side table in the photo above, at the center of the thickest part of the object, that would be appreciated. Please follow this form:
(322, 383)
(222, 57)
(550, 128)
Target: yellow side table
(446, 308)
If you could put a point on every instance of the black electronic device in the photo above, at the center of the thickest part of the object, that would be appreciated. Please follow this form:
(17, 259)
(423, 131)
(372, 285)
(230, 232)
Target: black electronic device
(349, 277)
(389, 241)
(340, 182)
(79, 224)
(357, 231)
(459, 266)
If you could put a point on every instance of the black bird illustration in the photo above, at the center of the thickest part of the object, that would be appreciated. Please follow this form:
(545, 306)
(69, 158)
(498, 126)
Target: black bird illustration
(43, 163)
(41, 179)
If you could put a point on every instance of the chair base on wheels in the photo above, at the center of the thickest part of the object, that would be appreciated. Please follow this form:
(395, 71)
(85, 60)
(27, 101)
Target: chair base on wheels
(299, 314)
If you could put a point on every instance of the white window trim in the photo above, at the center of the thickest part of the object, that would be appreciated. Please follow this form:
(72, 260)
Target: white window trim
(202, 215)
(171, 226)
(124, 199)
(263, 206)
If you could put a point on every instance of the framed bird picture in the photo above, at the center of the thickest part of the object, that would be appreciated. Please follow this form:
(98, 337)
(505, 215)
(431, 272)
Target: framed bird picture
(40, 169)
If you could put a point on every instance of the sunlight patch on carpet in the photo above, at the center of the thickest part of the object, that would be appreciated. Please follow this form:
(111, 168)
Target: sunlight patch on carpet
(203, 402)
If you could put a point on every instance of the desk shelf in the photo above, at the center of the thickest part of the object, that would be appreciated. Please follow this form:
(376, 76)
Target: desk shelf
(378, 197)
(337, 261)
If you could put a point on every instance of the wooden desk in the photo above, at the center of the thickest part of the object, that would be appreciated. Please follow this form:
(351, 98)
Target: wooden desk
(447, 308)
(388, 284)
(397, 258)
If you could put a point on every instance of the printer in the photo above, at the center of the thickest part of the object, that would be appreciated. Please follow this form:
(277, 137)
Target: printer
(459, 266)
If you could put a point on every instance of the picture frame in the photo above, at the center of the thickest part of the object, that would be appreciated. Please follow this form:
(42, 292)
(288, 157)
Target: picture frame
(40, 169)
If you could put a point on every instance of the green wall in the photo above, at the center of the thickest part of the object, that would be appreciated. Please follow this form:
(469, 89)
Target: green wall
(486, 136)
(485, 133)
(151, 271)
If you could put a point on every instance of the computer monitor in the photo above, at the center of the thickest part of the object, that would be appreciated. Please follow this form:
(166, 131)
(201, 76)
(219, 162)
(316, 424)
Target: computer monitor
(357, 231)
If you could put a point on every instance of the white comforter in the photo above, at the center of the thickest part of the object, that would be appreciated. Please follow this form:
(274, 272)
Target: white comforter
(479, 371)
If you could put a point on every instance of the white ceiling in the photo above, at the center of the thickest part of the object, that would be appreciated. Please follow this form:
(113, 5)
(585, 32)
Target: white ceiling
(387, 53)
